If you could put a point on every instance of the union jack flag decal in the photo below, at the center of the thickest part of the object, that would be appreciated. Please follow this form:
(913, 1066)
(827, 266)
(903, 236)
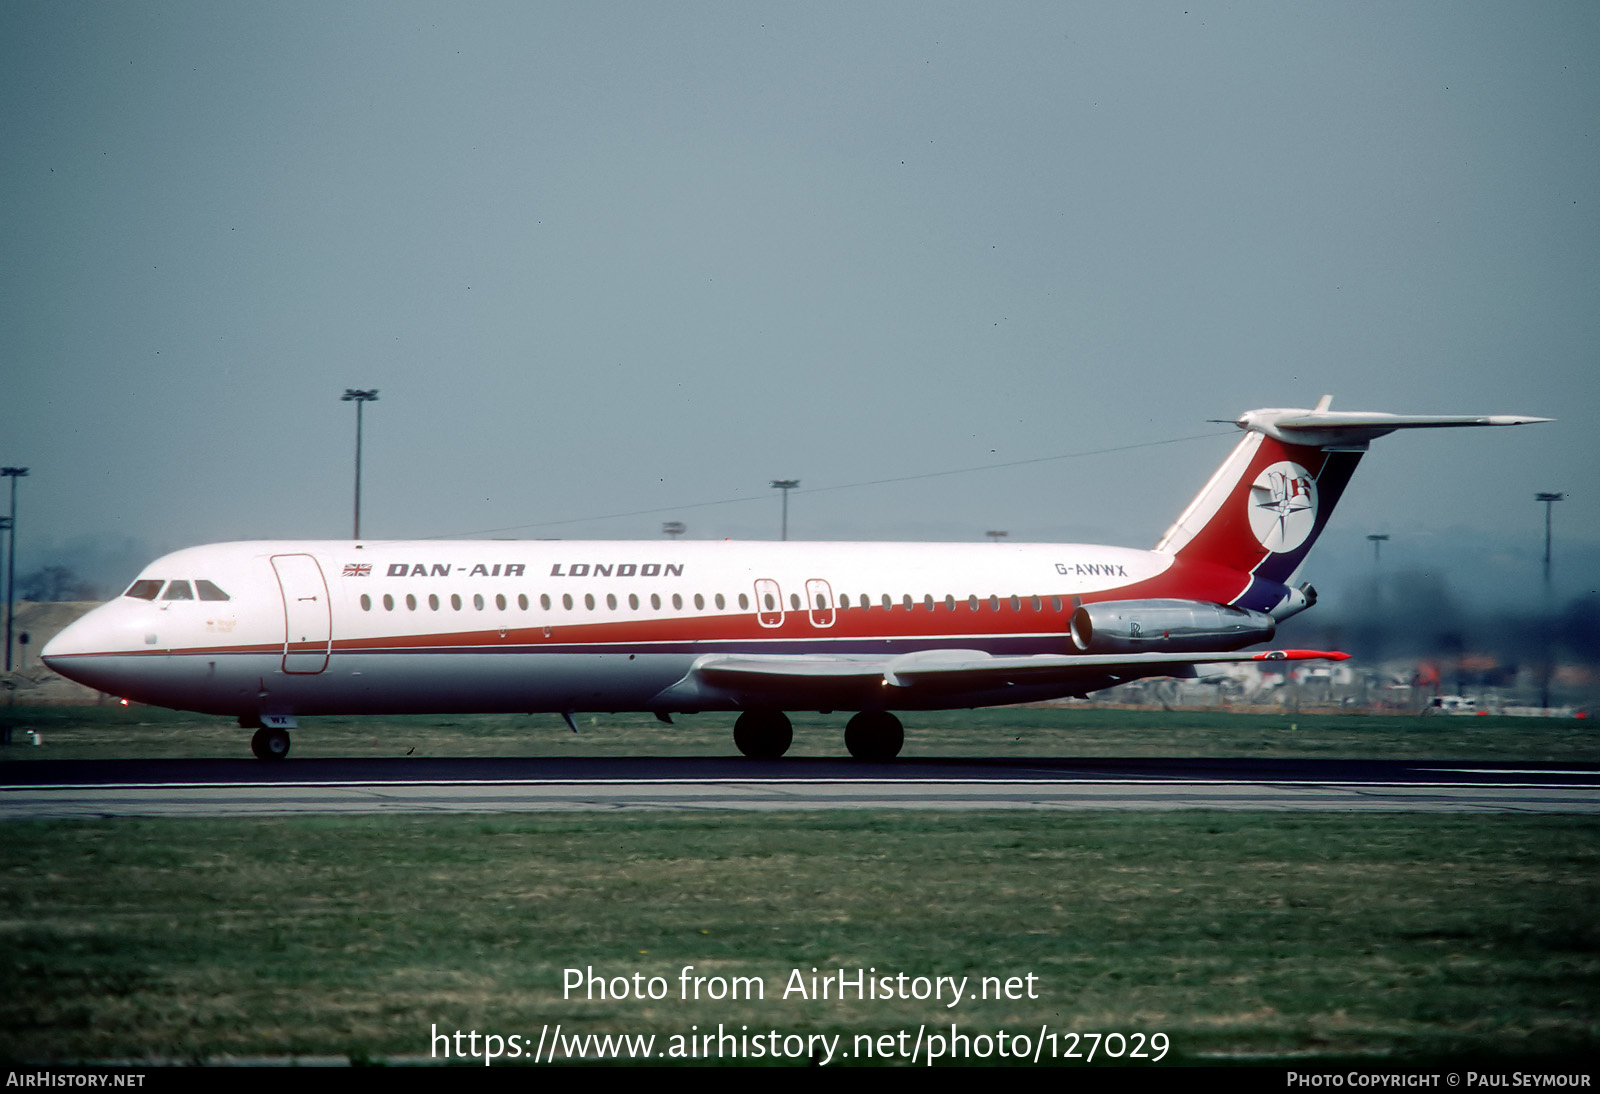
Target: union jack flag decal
(357, 569)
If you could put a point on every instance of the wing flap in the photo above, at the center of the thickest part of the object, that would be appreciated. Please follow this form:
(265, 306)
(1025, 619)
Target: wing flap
(1044, 668)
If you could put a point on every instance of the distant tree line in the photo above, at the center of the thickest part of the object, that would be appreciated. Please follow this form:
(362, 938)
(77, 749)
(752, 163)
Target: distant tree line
(51, 583)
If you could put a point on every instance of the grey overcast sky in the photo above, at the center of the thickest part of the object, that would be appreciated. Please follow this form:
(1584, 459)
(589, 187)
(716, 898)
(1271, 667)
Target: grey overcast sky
(609, 257)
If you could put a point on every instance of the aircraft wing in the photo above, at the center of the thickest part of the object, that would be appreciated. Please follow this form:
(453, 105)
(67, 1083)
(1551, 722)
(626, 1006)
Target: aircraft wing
(844, 681)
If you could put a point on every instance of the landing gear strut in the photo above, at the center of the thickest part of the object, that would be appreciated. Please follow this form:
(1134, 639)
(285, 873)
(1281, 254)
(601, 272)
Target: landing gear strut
(270, 744)
(874, 735)
(763, 734)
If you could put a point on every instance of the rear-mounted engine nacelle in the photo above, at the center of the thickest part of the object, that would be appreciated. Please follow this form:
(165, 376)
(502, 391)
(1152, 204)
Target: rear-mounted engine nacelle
(1166, 626)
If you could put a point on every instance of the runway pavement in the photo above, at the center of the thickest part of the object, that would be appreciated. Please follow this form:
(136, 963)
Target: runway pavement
(129, 788)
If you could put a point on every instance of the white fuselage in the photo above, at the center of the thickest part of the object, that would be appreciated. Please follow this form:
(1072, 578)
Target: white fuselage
(440, 626)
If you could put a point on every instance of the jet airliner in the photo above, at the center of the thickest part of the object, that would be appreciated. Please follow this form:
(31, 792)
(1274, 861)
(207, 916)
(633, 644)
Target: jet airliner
(271, 631)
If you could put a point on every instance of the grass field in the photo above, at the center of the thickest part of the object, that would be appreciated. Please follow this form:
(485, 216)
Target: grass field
(1236, 935)
(148, 732)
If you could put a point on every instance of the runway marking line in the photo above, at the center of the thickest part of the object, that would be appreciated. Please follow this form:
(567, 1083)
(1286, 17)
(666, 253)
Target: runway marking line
(859, 780)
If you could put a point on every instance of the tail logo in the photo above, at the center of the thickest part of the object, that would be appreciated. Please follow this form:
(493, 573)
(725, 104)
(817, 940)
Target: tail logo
(1283, 506)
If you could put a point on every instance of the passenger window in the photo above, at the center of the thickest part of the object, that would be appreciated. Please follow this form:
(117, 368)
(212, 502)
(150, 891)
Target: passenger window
(145, 589)
(522, 601)
(411, 603)
(744, 602)
(677, 602)
(209, 591)
(905, 602)
(844, 602)
(500, 601)
(1055, 603)
(994, 603)
(433, 601)
(366, 602)
(721, 603)
(588, 601)
(477, 601)
(972, 603)
(927, 602)
(566, 601)
(544, 601)
(887, 603)
(1037, 606)
(1016, 603)
(388, 602)
(655, 601)
(794, 601)
(611, 601)
(633, 601)
(949, 603)
(455, 601)
(699, 603)
(179, 590)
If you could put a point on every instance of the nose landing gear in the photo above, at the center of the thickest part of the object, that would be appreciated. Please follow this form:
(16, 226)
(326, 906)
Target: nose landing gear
(270, 744)
(271, 738)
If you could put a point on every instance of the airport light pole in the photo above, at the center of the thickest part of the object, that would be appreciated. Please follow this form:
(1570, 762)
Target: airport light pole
(12, 473)
(673, 528)
(1549, 500)
(354, 395)
(785, 485)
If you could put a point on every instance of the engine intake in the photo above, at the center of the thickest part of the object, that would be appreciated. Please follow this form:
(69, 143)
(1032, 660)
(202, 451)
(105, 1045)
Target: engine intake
(1166, 626)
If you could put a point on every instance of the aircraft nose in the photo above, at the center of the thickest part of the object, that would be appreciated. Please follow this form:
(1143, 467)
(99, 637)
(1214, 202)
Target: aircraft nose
(75, 651)
(79, 637)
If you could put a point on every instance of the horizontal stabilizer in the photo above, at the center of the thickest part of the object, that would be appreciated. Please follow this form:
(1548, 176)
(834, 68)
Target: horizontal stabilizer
(1322, 427)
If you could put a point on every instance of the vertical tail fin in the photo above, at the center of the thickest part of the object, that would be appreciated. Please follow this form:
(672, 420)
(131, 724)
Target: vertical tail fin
(1265, 507)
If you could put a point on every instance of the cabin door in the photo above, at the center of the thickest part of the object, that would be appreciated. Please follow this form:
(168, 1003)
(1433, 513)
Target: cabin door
(307, 614)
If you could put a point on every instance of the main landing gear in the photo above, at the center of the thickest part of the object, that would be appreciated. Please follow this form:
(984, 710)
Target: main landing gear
(872, 735)
(763, 734)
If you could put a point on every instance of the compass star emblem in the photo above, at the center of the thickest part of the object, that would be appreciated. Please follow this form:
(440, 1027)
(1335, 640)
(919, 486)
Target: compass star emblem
(1283, 506)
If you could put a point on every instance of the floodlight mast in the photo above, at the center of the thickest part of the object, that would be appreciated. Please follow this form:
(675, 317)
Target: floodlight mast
(357, 396)
(785, 485)
(1376, 541)
(12, 473)
(1549, 500)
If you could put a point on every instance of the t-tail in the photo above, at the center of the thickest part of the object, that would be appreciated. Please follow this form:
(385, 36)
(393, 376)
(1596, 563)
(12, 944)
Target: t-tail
(1258, 517)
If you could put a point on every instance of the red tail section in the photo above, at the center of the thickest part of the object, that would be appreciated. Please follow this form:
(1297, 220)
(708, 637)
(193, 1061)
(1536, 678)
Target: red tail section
(1264, 508)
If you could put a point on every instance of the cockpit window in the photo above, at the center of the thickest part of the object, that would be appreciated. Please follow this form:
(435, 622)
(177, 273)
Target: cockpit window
(179, 590)
(209, 591)
(144, 589)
